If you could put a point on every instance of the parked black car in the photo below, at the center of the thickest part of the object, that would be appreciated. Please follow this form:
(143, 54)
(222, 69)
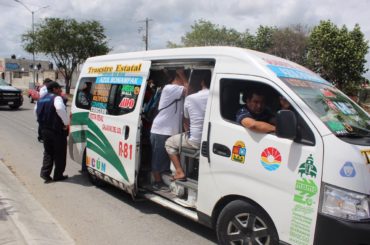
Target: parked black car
(9, 95)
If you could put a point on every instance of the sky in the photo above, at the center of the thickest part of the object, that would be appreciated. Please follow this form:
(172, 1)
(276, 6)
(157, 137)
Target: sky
(171, 19)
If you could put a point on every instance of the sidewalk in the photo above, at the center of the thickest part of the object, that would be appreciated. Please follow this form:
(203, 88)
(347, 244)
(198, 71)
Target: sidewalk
(22, 219)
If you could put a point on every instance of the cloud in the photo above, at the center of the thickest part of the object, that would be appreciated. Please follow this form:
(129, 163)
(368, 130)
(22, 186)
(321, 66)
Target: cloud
(171, 19)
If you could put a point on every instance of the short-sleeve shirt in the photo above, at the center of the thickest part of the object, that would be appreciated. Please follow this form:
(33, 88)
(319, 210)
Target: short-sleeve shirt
(195, 109)
(265, 116)
(168, 120)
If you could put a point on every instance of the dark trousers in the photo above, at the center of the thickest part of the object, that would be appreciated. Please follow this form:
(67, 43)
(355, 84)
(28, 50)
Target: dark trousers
(55, 152)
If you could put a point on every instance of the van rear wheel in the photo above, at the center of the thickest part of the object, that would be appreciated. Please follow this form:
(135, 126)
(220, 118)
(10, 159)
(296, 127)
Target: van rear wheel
(242, 223)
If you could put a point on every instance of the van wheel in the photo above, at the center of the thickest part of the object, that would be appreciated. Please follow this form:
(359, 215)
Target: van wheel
(242, 223)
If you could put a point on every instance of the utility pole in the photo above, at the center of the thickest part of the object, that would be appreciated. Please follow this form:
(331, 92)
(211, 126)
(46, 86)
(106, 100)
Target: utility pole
(33, 34)
(146, 36)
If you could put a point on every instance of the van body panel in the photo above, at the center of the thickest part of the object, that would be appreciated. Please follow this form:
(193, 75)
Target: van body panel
(282, 177)
(285, 191)
(347, 166)
(112, 140)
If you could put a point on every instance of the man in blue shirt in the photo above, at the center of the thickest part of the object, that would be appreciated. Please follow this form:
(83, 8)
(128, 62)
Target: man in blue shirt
(255, 115)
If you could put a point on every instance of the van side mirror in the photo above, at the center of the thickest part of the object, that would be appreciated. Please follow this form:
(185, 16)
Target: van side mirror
(286, 124)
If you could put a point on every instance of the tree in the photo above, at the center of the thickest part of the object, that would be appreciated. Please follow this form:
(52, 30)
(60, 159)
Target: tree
(67, 42)
(205, 33)
(338, 55)
(290, 43)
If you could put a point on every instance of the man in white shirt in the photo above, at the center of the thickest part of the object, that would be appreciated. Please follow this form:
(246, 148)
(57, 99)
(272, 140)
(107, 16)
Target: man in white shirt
(165, 124)
(53, 120)
(194, 112)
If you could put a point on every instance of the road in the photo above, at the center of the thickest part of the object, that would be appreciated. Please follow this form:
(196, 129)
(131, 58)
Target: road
(90, 215)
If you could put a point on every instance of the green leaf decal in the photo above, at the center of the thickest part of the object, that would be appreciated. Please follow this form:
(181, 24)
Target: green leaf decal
(98, 143)
(79, 118)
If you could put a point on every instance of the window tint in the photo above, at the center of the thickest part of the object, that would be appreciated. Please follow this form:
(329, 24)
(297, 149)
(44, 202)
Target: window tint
(84, 92)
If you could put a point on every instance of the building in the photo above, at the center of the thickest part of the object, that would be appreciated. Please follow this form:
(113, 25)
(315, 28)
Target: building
(24, 73)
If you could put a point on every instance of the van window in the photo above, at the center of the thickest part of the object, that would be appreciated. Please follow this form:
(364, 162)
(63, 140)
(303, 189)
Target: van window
(233, 97)
(84, 92)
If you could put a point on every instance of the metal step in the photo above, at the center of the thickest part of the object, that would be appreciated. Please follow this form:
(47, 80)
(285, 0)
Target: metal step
(171, 205)
(189, 183)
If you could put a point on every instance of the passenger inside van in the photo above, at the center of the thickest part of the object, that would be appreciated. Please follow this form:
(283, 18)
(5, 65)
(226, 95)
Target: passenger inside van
(194, 112)
(167, 123)
(254, 115)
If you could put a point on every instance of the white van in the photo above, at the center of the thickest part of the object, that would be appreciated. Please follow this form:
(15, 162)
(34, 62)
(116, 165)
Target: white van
(308, 183)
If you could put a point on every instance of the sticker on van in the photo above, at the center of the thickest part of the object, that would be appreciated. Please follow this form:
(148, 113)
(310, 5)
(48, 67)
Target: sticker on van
(306, 191)
(271, 159)
(239, 152)
(348, 170)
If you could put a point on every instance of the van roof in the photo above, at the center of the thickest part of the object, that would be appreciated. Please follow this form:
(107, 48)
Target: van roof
(227, 58)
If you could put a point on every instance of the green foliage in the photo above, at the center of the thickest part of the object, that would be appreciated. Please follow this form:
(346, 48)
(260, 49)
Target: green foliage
(290, 42)
(67, 42)
(338, 55)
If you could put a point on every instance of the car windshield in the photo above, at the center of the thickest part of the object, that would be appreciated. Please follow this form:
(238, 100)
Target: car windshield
(341, 115)
(2, 82)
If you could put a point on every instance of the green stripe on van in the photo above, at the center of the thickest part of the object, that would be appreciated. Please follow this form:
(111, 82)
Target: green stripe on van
(98, 143)
(79, 118)
(78, 136)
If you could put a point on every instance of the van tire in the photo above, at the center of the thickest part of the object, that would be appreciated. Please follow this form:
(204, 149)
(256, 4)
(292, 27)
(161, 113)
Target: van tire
(232, 225)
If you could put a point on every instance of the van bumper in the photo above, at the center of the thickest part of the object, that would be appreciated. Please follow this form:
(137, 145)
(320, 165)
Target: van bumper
(330, 230)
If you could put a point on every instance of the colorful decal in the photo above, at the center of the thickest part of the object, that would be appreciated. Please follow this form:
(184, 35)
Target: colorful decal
(308, 168)
(98, 110)
(348, 127)
(132, 80)
(125, 150)
(100, 98)
(97, 164)
(366, 154)
(271, 159)
(112, 129)
(327, 93)
(128, 90)
(348, 170)
(331, 105)
(99, 143)
(345, 108)
(303, 212)
(239, 152)
(119, 68)
(336, 126)
(286, 72)
(127, 103)
(136, 90)
(99, 105)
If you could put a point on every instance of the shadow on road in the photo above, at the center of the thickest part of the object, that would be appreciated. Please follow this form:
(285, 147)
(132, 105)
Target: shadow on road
(148, 207)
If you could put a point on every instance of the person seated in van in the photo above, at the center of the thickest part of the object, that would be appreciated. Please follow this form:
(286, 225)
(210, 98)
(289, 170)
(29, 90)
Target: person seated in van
(255, 116)
(194, 111)
(165, 124)
(84, 95)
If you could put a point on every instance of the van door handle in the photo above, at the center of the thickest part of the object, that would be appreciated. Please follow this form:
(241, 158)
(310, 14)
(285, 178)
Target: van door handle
(221, 150)
(126, 132)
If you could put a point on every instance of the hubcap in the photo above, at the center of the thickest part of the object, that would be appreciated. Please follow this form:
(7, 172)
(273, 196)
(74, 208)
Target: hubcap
(247, 229)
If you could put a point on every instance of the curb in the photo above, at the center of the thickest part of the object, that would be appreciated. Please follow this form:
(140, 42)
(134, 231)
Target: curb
(22, 219)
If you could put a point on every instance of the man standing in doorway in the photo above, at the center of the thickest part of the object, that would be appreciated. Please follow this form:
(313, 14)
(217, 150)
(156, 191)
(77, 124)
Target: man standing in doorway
(53, 120)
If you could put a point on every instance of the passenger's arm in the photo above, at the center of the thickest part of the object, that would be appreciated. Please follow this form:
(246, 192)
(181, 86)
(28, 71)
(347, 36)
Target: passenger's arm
(257, 126)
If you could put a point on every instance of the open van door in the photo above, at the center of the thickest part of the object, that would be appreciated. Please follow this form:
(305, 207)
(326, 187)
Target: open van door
(113, 138)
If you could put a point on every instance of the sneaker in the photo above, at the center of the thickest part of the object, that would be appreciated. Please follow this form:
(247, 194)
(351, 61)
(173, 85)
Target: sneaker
(159, 186)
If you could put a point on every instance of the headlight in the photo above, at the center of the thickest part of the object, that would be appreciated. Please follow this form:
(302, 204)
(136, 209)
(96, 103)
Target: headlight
(344, 203)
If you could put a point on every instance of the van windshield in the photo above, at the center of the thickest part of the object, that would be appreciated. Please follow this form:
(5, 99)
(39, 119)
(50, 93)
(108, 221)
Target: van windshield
(342, 116)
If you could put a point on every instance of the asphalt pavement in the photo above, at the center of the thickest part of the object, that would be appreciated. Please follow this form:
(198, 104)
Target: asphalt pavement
(22, 219)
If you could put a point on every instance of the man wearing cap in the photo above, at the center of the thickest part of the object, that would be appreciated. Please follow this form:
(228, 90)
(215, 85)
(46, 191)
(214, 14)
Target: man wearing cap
(53, 120)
